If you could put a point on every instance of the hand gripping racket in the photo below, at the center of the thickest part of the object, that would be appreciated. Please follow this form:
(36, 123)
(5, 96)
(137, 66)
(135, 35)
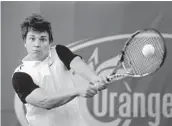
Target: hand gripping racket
(143, 54)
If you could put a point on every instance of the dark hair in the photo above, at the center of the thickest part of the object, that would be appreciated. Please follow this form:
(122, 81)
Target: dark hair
(36, 23)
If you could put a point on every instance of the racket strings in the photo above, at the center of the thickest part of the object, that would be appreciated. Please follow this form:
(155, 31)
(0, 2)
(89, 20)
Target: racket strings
(134, 57)
(134, 49)
(150, 63)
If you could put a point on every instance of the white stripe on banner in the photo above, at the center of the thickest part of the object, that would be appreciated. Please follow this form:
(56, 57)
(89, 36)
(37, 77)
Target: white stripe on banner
(105, 39)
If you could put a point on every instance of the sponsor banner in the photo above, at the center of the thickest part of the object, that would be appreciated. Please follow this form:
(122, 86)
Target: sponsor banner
(128, 102)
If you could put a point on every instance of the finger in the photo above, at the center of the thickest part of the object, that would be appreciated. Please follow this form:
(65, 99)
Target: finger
(102, 88)
(92, 91)
(93, 87)
(89, 95)
(101, 85)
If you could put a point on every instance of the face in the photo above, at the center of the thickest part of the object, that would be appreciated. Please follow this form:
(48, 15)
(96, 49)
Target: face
(37, 45)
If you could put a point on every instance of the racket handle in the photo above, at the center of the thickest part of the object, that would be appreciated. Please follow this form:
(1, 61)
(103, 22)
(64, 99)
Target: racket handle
(114, 77)
(111, 78)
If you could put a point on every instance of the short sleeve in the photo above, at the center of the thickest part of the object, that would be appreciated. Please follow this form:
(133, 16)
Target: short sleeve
(23, 85)
(65, 55)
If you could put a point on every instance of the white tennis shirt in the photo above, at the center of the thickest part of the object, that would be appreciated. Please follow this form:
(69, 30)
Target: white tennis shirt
(51, 75)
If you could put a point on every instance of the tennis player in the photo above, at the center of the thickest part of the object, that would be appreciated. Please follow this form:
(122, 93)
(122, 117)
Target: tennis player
(43, 82)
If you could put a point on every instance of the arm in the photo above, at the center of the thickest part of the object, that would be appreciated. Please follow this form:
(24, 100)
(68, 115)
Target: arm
(43, 99)
(74, 62)
(30, 93)
(81, 68)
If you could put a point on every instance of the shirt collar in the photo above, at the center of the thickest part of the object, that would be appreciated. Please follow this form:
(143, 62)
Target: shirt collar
(34, 63)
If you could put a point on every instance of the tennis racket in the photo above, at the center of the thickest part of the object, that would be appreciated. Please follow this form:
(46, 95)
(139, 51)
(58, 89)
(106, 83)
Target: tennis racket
(143, 54)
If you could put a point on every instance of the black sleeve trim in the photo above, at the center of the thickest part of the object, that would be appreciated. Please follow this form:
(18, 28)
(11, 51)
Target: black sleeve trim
(65, 55)
(23, 85)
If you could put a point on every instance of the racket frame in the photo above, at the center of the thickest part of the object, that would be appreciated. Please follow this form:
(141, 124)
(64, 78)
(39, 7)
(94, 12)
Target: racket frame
(114, 76)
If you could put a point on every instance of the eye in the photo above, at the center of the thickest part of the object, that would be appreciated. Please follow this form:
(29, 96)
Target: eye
(32, 38)
(43, 39)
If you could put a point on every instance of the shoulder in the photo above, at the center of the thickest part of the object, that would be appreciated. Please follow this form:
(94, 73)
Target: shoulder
(60, 47)
(22, 69)
(18, 72)
(18, 69)
(56, 48)
(60, 51)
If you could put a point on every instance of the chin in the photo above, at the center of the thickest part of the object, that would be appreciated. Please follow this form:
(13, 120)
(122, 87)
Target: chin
(41, 58)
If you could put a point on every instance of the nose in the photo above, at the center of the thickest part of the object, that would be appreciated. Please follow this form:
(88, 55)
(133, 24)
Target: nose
(37, 43)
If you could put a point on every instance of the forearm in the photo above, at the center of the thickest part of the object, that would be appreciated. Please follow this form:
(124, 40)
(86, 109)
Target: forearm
(81, 68)
(41, 98)
(61, 98)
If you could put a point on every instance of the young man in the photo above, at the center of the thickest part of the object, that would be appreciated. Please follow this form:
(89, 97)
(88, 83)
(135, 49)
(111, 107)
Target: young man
(43, 81)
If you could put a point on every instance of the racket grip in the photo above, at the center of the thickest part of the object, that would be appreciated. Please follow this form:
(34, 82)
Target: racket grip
(115, 77)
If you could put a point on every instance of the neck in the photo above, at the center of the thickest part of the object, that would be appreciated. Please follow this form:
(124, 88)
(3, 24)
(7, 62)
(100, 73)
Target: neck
(31, 58)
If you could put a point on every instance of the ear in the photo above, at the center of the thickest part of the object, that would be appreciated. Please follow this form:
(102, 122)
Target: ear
(50, 45)
(24, 42)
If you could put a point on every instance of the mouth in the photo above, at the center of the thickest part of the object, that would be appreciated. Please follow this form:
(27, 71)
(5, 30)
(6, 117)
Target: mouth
(36, 50)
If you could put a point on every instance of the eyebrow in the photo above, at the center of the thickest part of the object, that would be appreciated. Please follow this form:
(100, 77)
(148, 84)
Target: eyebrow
(44, 36)
(40, 36)
(31, 35)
